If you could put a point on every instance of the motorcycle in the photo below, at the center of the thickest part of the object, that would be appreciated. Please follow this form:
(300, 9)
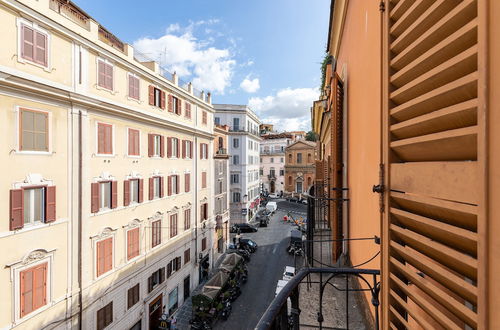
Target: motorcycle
(295, 250)
(235, 293)
(226, 310)
(198, 324)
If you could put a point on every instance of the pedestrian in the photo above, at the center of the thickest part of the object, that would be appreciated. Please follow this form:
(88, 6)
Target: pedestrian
(173, 322)
(234, 241)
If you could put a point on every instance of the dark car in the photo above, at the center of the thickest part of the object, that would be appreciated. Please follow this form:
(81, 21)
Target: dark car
(248, 244)
(263, 220)
(243, 228)
(231, 248)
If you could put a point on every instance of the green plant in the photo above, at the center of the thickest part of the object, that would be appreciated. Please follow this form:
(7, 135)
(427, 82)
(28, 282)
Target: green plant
(326, 60)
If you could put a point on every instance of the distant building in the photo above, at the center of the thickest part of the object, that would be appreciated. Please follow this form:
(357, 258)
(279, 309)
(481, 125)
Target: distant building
(244, 147)
(272, 162)
(299, 166)
(266, 129)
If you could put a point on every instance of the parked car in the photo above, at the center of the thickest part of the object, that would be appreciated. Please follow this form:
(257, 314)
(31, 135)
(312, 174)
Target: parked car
(231, 248)
(304, 201)
(271, 207)
(288, 273)
(263, 220)
(243, 228)
(273, 195)
(248, 244)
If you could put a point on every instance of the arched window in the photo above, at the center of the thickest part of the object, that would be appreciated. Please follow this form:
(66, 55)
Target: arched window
(309, 158)
(290, 158)
(290, 182)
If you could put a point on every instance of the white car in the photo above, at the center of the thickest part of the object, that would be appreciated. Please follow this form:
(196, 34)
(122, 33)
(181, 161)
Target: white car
(271, 207)
(273, 196)
(288, 273)
(280, 286)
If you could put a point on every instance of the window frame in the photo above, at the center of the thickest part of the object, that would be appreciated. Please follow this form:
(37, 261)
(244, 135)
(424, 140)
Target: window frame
(20, 131)
(110, 63)
(44, 197)
(138, 286)
(156, 184)
(139, 142)
(32, 25)
(187, 220)
(174, 218)
(204, 117)
(112, 154)
(138, 228)
(96, 260)
(157, 145)
(159, 233)
(132, 201)
(110, 182)
(176, 105)
(112, 316)
(133, 76)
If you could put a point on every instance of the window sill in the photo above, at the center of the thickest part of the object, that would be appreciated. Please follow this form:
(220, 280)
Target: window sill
(112, 92)
(138, 101)
(33, 152)
(28, 228)
(105, 155)
(134, 156)
(26, 61)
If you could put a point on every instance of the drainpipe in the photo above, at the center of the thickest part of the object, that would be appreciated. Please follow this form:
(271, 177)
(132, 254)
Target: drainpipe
(195, 186)
(80, 212)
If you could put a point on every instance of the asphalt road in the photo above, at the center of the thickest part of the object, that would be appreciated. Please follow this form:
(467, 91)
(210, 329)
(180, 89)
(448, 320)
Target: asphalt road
(264, 270)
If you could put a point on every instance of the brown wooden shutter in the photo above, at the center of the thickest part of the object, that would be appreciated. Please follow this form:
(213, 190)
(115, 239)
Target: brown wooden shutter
(203, 179)
(162, 274)
(141, 190)
(162, 146)
(169, 269)
(162, 99)
(179, 107)
(169, 147)
(170, 103)
(151, 95)
(187, 181)
(16, 209)
(169, 190)
(114, 194)
(151, 145)
(151, 188)
(177, 184)
(40, 48)
(162, 187)
(126, 193)
(28, 43)
(183, 149)
(150, 284)
(201, 150)
(94, 200)
(50, 204)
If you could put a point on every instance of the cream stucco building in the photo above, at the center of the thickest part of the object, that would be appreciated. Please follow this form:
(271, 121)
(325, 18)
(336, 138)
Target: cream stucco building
(107, 193)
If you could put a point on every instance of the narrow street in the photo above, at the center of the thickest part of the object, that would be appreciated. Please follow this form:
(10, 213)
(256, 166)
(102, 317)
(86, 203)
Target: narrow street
(264, 269)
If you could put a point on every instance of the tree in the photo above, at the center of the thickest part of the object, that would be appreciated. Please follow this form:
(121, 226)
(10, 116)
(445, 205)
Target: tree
(311, 136)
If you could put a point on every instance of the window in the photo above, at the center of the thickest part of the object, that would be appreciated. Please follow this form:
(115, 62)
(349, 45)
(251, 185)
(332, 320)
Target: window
(309, 158)
(34, 205)
(236, 160)
(135, 191)
(156, 278)
(156, 97)
(176, 105)
(221, 142)
(204, 211)
(133, 296)
(173, 266)
(173, 185)
(173, 148)
(105, 195)
(261, 171)
(104, 139)
(217, 121)
(156, 189)
(272, 160)
(133, 142)
(33, 288)
(104, 74)
(236, 197)
(272, 172)
(203, 151)
(204, 244)
(188, 110)
(173, 225)
(282, 172)
(132, 243)
(235, 178)
(299, 158)
(105, 316)
(187, 182)
(188, 149)
(156, 145)
(187, 219)
(104, 256)
(204, 119)
(155, 233)
(236, 143)
(203, 180)
(281, 160)
(133, 86)
(236, 124)
(34, 130)
(290, 158)
(187, 256)
(173, 300)
(34, 45)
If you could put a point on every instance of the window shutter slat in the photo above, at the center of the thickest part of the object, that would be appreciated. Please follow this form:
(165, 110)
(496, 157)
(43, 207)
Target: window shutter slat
(177, 184)
(169, 147)
(114, 194)
(162, 187)
(151, 188)
(16, 209)
(170, 104)
(169, 191)
(141, 190)
(162, 275)
(162, 99)
(40, 48)
(162, 146)
(101, 79)
(151, 95)
(178, 148)
(126, 193)
(183, 149)
(50, 204)
(94, 190)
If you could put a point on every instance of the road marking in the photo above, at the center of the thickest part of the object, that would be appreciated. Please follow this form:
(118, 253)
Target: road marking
(274, 250)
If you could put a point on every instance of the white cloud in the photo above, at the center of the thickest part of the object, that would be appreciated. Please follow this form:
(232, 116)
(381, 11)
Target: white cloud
(288, 109)
(208, 67)
(250, 85)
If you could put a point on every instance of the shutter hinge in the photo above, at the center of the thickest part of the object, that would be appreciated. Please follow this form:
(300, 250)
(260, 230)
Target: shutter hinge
(382, 6)
(380, 187)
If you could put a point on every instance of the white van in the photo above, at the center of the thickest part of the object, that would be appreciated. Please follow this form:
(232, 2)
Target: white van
(288, 273)
(271, 207)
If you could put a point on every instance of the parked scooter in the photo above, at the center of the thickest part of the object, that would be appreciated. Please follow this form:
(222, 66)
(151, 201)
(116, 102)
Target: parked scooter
(198, 324)
(295, 250)
(226, 310)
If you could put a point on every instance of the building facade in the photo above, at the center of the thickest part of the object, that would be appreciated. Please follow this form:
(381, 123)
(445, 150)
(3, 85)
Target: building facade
(299, 167)
(221, 190)
(272, 162)
(244, 147)
(416, 157)
(109, 193)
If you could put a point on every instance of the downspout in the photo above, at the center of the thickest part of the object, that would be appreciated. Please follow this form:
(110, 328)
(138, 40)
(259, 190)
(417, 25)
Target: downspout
(195, 186)
(80, 212)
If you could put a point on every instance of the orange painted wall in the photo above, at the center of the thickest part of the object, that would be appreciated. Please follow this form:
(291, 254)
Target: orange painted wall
(358, 65)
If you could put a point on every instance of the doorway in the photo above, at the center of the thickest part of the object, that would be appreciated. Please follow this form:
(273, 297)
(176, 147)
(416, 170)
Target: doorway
(155, 311)
(187, 287)
(204, 266)
(299, 187)
(273, 187)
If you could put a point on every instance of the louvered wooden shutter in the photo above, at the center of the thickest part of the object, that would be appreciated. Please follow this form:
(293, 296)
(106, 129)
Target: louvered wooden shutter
(94, 200)
(178, 148)
(40, 48)
(187, 182)
(179, 107)
(150, 284)
(162, 187)
(434, 261)
(114, 194)
(162, 99)
(162, 274)
(169, 147)
(151, 188)
(126, 193)
(170, 103)
(16, 209)
(169, 191)
(184, 149)
(169, 269)
(203, 179)
(28, 43)
(177, 184)
(50, 204)
(162, 146)
(141, 190)
(151, 95)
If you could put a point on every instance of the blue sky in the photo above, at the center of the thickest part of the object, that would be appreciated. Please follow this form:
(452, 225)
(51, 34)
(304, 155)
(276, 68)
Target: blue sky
(265, 53)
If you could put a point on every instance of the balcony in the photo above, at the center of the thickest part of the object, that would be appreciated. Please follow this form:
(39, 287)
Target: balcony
(222, 152)
(242, 129)
(271, 176)
(110, 39)
(71, 12)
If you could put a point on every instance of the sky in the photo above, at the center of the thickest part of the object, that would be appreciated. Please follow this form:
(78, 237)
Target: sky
(264, 53)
